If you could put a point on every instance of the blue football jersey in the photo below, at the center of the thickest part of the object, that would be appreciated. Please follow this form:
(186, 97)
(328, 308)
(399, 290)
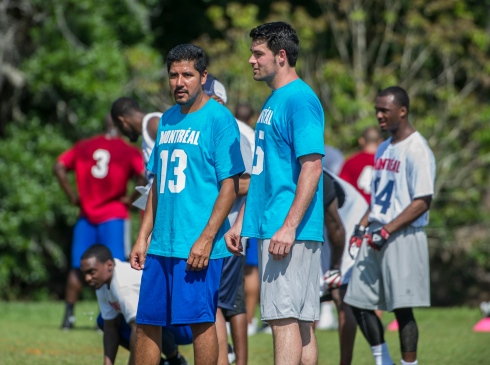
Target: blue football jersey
(193, 153)
(290, 125)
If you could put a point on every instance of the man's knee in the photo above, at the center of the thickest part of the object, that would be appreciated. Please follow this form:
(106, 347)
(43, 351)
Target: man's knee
(146, 331)
(281, 322)
(202, 328)
(370, 325)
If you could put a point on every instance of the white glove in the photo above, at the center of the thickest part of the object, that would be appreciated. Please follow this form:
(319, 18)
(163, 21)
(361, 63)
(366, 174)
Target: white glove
(332, 279)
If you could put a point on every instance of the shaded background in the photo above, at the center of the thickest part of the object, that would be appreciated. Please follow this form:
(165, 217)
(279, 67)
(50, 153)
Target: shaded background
(62, 63)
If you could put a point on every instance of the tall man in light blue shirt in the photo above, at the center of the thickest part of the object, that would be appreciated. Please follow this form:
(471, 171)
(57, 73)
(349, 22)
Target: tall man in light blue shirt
(284, 205)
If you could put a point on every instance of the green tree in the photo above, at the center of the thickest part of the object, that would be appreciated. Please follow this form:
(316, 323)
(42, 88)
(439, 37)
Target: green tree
(76, 58)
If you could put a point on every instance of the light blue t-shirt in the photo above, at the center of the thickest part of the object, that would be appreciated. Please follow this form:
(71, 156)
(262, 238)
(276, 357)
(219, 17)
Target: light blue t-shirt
(290, 126)
(193, 153)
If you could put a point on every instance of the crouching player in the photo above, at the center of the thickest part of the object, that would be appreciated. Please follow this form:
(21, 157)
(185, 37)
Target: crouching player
(117, 287)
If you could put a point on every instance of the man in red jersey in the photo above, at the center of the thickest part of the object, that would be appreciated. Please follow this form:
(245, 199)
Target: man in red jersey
(358, 169)
(103, 165)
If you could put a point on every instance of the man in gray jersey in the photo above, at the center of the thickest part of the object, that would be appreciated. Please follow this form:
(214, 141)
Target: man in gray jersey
(391, 272)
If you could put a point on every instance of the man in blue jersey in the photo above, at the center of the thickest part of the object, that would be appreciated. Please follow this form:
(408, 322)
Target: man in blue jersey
(284, 207)
(197, 162)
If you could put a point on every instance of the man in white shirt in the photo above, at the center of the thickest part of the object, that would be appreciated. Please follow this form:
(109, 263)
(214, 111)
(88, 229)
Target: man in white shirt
(392, 268)
(117, 287)
(231, 295)
(133, 122)
(344, 206)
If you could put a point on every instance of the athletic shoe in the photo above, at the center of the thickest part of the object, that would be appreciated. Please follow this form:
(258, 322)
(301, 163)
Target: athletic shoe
(68, 323)
(328, 320)
(252, 327)
(265, 329)
(178, 360)
(231, 354)
(485, 309)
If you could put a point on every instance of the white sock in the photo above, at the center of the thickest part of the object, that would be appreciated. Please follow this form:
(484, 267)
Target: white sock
(410, 363)
(381, 354)
(328, 320)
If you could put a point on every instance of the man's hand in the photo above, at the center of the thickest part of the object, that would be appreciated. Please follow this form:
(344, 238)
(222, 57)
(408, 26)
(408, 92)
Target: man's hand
(378, 238)
(137, 257)
(126, 200)
(282, 242)
(356, 240)
(74, 199)
(199, 256)
(233, 241)
(332, 279)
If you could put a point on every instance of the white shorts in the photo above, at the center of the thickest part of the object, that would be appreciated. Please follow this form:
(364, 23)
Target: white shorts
(395, 277)
(289, 287)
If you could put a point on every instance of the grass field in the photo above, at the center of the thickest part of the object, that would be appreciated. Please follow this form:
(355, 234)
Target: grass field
(30, 334)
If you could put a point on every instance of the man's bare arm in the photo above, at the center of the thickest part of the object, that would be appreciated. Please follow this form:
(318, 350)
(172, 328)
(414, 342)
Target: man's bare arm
(61, 174)
(111, 340)
(132, 343)
(152, 127)
(138, 253)
(309, 177)
(244, 183)
(336, 233)
(416, 208)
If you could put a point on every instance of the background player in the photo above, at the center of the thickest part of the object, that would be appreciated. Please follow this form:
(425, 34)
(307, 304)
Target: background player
(333, 159)
(358, 168)
(117, 287)
(392, 267)
(103, 166)
(231, 298)
(133, 122)
(244, 113)
(284, 203)
(344, 207)
(197, 163)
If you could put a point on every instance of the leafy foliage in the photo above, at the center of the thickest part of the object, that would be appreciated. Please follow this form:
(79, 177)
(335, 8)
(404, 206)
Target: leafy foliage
(66, 62)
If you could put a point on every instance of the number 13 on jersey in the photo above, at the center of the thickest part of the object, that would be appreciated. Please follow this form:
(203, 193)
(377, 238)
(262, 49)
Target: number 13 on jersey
(176, 178)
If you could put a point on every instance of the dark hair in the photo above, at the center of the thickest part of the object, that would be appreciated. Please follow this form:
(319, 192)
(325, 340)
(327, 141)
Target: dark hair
(188, 52)
(243, 112)
(99, 251)
(400, 95)
(279, 35)
(123, 106)
(371, 135)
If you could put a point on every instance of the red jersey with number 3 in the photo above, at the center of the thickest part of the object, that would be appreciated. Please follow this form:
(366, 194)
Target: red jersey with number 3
(358, 171)
(103, 166)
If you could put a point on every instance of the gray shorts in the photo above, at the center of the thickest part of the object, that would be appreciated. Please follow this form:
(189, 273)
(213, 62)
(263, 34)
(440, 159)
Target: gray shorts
(289, 287)
(395, 277)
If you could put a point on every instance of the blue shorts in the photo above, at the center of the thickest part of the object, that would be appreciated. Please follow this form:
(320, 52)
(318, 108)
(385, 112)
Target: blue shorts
(252, 252)
(113, 233)
(181, 335)
(171, 295)
(231, 276)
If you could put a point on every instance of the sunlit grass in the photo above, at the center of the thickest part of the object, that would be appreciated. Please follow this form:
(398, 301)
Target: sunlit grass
(30, 334)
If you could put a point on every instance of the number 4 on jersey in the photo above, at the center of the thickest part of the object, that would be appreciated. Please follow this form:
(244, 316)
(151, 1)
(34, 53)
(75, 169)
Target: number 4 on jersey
(383, 198)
